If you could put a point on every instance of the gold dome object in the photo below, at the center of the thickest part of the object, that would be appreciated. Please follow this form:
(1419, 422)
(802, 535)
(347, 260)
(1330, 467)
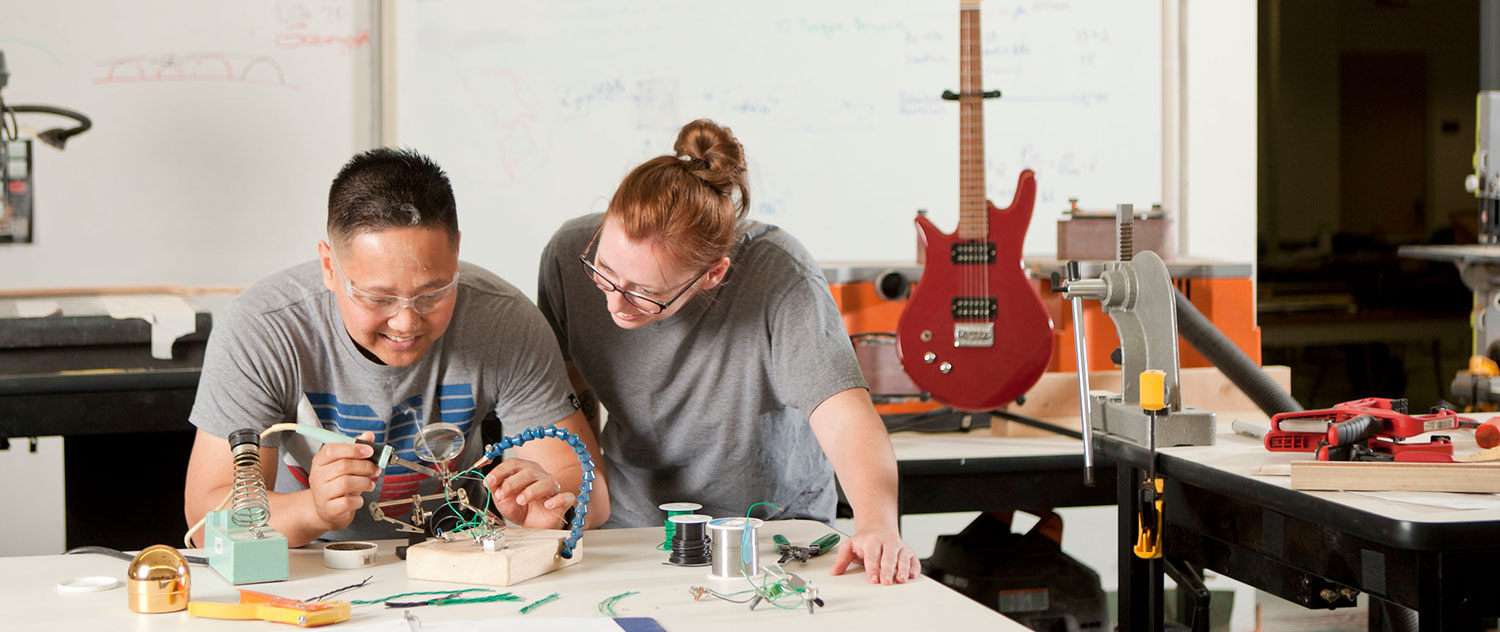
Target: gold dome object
(158, 580)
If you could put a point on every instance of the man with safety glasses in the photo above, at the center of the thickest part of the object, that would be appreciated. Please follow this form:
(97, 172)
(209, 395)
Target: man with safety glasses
(387, 332)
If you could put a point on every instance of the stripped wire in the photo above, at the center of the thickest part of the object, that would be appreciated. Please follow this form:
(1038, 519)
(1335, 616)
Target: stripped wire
(539, 602)
(607, 607)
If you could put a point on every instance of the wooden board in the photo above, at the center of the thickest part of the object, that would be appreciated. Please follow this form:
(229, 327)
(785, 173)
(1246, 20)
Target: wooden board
(1386, 477)
(528, 553)
(178, 290)
(1054, 398)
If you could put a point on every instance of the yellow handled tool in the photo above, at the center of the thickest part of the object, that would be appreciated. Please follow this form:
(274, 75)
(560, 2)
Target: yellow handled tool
(1153, 402)
(254, 605)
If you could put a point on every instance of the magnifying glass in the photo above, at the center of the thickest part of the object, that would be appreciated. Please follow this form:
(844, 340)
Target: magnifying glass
(439, 443)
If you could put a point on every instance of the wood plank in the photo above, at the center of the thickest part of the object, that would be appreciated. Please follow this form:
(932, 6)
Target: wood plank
(1054, 398)
(1389, 477)
(115, 290)
(528, 553)
(1492, 454)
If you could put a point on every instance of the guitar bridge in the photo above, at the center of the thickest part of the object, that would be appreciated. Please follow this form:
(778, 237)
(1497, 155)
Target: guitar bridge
(974, 334)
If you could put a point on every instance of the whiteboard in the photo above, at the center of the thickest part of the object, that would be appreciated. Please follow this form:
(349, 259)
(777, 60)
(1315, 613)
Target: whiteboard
(538, 109)
(218, 126)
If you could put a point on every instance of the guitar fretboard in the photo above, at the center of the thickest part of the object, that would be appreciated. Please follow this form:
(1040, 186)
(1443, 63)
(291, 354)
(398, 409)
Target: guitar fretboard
(973, 215)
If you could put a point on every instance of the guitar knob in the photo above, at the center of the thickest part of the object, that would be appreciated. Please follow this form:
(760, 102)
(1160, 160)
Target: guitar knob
(945, 367)
(926, 335)
(929, 357)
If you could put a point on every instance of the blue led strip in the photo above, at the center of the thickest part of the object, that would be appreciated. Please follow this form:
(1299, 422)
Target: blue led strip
(581, 510)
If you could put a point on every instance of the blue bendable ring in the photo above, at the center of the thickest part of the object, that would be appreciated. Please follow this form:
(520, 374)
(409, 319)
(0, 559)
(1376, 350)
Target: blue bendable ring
(581, 509)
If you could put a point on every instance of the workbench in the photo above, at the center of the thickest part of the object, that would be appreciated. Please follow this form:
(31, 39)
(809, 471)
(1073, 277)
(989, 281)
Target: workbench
(978, 471)
(1219, 514)
(613, 561)
(115, 387)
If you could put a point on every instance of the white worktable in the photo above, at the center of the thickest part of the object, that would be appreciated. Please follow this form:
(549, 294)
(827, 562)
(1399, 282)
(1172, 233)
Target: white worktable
(614, 561)
(1245, 456)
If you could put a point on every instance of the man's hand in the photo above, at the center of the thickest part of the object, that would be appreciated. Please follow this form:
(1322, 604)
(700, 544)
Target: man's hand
(886, 558)
(527, 495)
(340, 473)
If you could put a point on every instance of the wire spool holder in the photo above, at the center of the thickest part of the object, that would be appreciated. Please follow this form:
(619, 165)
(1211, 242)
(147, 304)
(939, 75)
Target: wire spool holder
(690, 540)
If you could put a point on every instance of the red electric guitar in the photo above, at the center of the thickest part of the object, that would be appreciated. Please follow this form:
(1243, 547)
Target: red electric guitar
(975, 334)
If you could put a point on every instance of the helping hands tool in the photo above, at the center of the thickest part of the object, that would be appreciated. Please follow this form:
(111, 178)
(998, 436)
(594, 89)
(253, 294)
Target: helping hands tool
(804, 553)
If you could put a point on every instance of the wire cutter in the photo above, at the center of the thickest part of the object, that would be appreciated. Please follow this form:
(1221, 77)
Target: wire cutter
(804, 553)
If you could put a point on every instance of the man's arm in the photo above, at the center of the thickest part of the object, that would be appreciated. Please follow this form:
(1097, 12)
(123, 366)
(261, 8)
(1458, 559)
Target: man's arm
(855, 441)
(339, 474)
(588, 402)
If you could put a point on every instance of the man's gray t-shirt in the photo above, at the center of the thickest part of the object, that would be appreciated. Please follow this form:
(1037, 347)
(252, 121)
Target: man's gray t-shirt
(283, 338)
(711, 404)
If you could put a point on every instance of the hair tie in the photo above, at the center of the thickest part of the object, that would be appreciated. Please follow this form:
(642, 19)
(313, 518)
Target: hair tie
(695, 162)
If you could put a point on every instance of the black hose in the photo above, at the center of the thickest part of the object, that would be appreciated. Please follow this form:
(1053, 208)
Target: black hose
(59, 136)
(103, 550)
(1238, 367)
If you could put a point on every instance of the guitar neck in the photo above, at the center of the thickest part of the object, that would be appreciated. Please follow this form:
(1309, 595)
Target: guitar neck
(973, 215)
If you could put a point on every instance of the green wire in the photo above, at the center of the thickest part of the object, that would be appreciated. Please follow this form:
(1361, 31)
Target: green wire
(365, 602)
(478, 520)
(752, 508)
(778, 590)
(487, 599)
(538, 602)
(607, 607)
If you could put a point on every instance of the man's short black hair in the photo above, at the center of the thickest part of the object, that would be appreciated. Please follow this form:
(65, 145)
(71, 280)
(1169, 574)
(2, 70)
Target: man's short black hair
(390, 188)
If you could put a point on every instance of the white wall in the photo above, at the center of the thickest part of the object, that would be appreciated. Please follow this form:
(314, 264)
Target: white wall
(1220, 174)
(217, 127)
(32, 495)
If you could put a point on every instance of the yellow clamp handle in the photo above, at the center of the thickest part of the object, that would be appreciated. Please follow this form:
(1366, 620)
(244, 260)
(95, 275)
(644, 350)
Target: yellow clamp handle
(1153, 389)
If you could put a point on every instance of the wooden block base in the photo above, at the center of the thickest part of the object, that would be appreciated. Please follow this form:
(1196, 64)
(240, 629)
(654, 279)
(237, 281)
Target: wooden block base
(1385, 477)
(528, 553)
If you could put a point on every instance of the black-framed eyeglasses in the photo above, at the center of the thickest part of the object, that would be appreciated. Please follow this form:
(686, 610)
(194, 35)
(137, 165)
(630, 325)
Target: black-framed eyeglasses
(641, 302)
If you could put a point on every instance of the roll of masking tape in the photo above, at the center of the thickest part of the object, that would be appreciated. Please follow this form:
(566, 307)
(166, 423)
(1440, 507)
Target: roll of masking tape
(345, 555)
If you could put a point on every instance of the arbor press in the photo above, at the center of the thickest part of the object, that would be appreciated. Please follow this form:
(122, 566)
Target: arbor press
(1138, 296)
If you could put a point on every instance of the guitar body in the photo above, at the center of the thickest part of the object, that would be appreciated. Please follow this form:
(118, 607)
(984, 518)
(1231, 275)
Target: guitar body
(978, 317)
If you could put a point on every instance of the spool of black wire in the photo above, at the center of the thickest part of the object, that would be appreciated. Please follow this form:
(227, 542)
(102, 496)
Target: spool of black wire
(689, 540)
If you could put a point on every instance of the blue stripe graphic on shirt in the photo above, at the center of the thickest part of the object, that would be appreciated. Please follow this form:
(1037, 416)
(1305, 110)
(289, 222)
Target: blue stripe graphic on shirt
(455, 405)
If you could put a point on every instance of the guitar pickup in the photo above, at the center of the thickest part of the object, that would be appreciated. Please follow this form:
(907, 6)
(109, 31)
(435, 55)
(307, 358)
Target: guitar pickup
(974, 334)
(972, 253)
(975, 308)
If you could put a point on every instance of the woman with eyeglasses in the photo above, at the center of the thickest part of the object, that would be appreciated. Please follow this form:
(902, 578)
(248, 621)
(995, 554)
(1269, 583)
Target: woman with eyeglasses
(716, 348)
(382, 336)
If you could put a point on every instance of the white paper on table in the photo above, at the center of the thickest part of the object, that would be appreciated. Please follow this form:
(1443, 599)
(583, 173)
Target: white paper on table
(170, 318)
(37, 308)
(1445, 500)
(509, 624)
